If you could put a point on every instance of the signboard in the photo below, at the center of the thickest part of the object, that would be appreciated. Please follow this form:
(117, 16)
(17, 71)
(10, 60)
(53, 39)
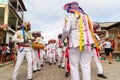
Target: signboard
(3, 1)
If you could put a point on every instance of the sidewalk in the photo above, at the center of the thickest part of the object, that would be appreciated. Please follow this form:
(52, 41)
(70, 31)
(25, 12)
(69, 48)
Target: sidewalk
(6, 63)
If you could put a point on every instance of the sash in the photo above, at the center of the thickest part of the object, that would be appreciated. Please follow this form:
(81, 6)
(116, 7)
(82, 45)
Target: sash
(81, 44)
(97, 53)
(23, 34)
(38, 53)
(86, 32)
(92, 32)
(67, 56)
(59, 43)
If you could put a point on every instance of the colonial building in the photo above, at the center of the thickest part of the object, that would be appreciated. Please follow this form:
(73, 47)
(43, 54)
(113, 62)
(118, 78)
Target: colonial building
(11, 13)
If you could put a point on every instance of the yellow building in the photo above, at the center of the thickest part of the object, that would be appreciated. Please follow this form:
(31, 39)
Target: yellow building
(11, 13)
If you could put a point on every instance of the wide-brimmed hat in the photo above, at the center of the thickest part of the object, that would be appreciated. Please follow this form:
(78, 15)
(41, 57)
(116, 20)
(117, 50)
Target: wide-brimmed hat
(96, 26)
(66, 6)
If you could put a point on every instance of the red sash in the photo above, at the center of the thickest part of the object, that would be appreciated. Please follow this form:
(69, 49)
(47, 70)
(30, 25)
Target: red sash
(38, 53)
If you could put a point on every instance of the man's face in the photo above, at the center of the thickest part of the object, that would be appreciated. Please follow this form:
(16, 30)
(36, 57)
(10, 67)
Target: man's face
(28, 28)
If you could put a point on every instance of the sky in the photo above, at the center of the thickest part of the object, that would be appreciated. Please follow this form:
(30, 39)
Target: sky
(48, 15)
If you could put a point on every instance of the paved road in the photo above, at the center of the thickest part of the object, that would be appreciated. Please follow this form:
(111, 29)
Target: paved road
(112, 71)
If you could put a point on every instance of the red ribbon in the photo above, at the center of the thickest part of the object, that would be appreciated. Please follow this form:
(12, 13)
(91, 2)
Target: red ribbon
(97, 53)
(68, 64)
(38, 53)
(59, 42)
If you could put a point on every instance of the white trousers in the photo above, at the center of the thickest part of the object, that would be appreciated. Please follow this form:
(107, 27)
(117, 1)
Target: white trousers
(60, 50)
(84, 58)
(48, 56)
(24, 52)
(52, 57)
(97, 61)
(41, 56)
(63, 57)
(36, 60)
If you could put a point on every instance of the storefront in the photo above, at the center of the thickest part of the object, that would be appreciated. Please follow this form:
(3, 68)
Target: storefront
(113, 34)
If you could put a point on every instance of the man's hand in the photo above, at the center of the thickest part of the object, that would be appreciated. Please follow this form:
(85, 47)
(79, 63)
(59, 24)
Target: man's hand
(3, 26)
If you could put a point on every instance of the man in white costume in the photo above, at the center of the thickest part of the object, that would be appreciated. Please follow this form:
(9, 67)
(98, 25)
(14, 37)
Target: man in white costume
(23, 39)
(96, 58)
(52, 58)
(38, 55)
(79, 30)
(61, 54)
(95, 53)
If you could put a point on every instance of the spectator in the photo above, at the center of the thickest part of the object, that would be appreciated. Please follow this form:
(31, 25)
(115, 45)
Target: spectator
(108, 50)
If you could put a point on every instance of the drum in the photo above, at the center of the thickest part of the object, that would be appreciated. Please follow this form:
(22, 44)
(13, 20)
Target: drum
(38, 46)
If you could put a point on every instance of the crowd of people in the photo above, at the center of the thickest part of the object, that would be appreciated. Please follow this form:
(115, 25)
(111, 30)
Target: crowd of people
(77, 44)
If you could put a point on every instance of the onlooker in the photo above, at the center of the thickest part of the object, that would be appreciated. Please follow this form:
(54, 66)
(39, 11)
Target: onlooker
(108, 50)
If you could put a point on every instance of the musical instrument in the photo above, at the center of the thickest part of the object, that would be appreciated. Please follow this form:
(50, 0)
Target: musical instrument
(37, 45)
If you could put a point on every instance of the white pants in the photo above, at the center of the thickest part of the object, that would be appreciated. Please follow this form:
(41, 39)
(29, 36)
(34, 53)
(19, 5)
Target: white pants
(63, 57)
(52, 57)
(97, 61)
(60, 51)
(24, 52)
(41, 56)
(84, 58)
(36, 60)
(48, 56)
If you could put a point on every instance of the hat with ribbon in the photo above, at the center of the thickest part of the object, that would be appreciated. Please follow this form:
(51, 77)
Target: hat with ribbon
(72, 7)
(27, 26)
(68, 5)
(95, 26)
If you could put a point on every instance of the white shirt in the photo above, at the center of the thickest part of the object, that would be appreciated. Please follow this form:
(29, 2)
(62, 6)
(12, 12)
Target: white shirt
(73, 32)
(107, 44)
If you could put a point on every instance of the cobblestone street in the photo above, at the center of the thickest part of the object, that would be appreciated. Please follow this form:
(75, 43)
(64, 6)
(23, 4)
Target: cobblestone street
(52, 72)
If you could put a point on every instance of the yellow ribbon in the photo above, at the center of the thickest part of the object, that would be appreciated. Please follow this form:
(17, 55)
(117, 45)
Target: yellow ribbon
(81, 44)
(92, 32)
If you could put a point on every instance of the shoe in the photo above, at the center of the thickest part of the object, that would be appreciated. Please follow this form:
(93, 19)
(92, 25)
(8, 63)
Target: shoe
(56, 60)
(29, 79)
(34, 71)
(38, 70)
(42, 65)
(59, 66)
(54, 63)
(110, 62)
(63, 67)
(66, 74)
(50, 63)
(102, 76)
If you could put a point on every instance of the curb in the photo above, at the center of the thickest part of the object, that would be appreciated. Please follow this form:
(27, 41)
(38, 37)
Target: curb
(4, 64)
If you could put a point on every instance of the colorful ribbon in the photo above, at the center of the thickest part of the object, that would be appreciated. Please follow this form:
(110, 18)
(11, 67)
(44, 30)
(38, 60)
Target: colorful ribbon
(86, 32)
(38, 53)
(81, 44)
(67, 56)
(23, 34)
(92, 32)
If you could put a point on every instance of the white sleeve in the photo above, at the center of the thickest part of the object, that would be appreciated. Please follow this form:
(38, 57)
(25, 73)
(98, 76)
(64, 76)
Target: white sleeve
(97, 37)
(66, 30)
(15, 38)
